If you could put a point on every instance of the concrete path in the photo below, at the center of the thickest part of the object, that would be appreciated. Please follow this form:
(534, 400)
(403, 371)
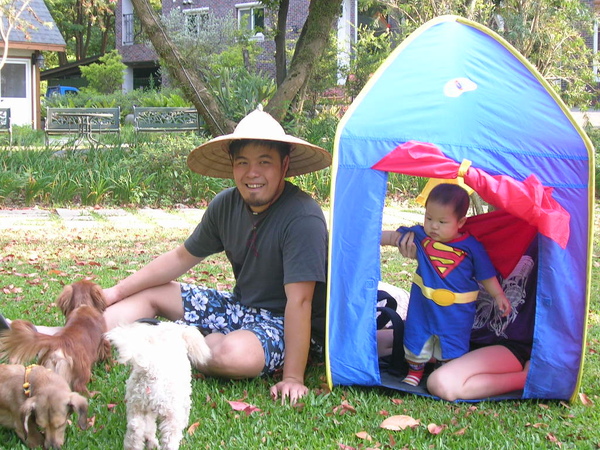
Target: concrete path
(145, 218)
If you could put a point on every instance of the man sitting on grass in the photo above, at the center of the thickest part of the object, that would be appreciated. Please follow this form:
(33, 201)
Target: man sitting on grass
(275, 238)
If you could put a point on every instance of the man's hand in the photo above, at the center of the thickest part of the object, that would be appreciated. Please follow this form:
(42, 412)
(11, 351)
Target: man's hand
(289, 388)
(111, 295)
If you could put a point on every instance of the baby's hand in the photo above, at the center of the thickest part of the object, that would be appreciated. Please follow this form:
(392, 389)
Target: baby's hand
(503, 305)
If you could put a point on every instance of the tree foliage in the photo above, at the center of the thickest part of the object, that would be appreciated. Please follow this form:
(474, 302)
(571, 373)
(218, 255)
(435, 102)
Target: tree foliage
(214, 43)
(549, 33)
(309, 48)
(106, 77)
(88, 26)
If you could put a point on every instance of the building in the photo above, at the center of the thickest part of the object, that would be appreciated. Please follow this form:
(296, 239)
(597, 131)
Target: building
(142, 61)
(20, 76)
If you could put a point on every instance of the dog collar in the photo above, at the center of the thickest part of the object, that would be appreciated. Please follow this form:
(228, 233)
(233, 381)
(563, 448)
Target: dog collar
(26, 384)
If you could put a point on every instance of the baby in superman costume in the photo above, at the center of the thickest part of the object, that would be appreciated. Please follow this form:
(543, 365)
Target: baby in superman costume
(445, 285)
(445, 272)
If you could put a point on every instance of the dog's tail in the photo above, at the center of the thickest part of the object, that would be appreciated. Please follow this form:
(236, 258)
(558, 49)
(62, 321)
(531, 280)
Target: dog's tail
(198, 350)
(22, 343)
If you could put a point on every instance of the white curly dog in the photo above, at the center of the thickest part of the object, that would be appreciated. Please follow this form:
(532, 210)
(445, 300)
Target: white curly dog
(159, 387)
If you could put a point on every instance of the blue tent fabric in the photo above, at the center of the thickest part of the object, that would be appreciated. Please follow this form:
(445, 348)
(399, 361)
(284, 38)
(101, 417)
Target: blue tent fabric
(458, 85)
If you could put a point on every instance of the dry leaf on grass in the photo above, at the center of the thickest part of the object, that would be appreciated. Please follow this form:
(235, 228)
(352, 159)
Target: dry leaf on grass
(554, 439)
(192, 428)
(585, 399)
(243, 406)
(364, 435)
(436, 429)
(400, 422)
(343, 408)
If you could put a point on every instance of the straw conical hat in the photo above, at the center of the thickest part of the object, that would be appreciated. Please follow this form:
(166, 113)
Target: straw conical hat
(212, 158)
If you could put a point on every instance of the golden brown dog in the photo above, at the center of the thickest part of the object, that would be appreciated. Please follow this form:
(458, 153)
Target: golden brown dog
(36, 403)
(73, 350)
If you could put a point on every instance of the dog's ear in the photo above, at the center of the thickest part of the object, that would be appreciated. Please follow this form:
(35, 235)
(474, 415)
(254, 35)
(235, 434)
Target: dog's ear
(64, 300)
(79, 404)
(27, 408)
(105, 350)
(98, 297)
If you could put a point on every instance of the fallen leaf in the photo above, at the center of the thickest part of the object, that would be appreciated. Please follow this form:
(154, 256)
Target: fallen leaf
(460, 432)
(400, 422)
(243, 406)
(553, 438)
(343, 408)
(585, 399)
(397, 401)
(364, 435)
(192, 429)
(436, 429)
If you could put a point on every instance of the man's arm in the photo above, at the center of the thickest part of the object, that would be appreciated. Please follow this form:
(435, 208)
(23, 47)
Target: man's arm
(161, 270)
(297, 331)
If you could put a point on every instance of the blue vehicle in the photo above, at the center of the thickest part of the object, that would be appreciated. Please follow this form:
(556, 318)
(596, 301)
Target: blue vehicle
(54, 91)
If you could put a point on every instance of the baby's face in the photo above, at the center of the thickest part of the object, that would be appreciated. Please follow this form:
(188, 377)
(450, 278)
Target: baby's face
(441, 222)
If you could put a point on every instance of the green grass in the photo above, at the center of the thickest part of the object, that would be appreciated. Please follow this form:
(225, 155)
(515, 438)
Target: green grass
(35, 265)
(154, 173)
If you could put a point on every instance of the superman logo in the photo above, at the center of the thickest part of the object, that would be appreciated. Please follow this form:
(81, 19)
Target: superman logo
(443, 257)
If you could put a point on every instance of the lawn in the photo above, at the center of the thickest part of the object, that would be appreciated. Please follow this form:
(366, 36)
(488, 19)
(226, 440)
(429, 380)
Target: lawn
(36, 264)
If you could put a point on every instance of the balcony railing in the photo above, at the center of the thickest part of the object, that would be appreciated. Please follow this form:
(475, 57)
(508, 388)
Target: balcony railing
(132, 29)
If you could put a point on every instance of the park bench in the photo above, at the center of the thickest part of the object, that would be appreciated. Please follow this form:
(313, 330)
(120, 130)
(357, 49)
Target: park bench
(153, 119)
(83, 122)
(5, 123)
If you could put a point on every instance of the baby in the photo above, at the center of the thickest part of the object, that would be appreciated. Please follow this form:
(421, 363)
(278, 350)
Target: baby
(445, 285)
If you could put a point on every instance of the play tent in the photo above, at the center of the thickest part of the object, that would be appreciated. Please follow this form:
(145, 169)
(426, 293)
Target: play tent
(454, 98)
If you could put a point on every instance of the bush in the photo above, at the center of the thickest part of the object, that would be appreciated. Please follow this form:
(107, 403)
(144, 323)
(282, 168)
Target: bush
(106, 77)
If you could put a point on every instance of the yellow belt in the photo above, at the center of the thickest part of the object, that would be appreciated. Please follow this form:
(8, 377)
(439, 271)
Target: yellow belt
(444, 297)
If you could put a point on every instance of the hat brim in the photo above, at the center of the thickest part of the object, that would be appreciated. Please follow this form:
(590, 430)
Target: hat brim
(212, 158)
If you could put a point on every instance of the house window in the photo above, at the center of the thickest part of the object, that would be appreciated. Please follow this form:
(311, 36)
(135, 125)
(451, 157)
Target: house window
(252, 17)
(195, 19)
(13, 81)
(132, 29)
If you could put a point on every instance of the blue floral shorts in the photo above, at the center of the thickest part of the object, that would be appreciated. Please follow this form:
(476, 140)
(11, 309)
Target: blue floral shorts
(213, 311)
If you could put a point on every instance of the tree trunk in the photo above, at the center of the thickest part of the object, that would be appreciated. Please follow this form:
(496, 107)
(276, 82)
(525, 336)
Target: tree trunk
(310, 46)
(192, 86)
(280, 35)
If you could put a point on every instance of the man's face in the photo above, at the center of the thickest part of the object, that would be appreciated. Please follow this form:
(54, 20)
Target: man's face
(259, 174)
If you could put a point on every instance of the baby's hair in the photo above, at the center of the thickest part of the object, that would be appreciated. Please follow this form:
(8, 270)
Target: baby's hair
(283, 148)
(450, 194)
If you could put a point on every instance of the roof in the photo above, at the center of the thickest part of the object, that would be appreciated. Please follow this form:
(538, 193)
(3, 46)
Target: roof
(68, 70)
(45, 36)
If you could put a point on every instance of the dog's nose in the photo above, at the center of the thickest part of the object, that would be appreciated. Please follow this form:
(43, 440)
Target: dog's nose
(53, 444)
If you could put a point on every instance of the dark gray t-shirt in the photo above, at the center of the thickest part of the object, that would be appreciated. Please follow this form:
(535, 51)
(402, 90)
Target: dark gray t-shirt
(287, 243)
